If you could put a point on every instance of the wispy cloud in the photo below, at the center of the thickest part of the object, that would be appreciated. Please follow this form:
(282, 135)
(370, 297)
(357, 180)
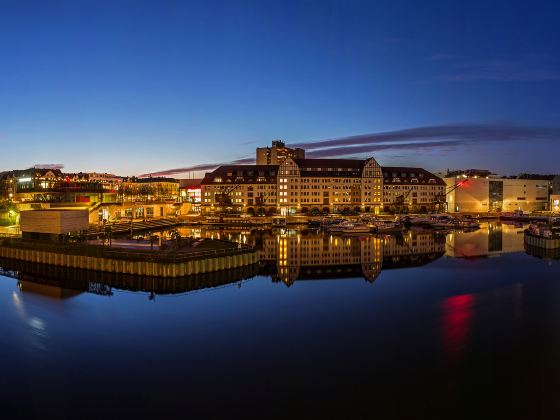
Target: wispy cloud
(456, 132)
(436, 138)
(358, 150)
(197, 168)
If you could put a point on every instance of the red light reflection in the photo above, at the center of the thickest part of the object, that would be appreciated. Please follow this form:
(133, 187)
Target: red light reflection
(456, 323)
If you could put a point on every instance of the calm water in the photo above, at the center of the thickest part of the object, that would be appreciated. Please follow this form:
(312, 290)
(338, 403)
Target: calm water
(464, 325)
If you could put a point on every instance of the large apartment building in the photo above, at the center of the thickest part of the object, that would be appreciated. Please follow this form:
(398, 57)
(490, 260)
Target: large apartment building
(414, 189)
(240, 188)
(296, 186)
(284, 182)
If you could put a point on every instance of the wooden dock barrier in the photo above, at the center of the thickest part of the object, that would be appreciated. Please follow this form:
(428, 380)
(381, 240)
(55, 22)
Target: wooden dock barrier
(540, 242)
(147, 264)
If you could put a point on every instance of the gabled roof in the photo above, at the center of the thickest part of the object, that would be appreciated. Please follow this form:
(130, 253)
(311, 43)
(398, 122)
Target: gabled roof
(331, 167)
(406, 175)
(242, 174)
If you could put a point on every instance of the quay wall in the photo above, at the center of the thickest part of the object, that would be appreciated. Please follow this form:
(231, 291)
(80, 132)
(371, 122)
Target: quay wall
(537, 241)
(139, 268)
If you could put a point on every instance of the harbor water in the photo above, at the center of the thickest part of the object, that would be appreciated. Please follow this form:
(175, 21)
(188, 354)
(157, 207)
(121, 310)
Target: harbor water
(420, 325)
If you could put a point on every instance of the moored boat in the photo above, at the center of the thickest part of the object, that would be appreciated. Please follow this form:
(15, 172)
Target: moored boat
(314, 224)
(278, 221)
(386, 226)
(348, 227)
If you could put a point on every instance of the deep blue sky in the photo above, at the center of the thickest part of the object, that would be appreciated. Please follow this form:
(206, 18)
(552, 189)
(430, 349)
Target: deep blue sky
(139, 86)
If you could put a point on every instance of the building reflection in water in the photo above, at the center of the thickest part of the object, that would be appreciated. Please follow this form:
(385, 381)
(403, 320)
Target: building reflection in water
(298, 256)
(317, 256)
(287, 256)
(492, 239)
(290, 255)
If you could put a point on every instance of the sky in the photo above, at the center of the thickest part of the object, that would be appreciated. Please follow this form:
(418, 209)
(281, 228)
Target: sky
(136, 87)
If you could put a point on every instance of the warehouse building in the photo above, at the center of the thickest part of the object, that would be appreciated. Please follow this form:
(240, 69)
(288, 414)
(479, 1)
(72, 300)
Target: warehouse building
(484, 192)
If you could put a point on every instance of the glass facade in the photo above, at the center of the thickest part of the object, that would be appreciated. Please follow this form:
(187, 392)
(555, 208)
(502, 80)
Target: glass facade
(496, 195)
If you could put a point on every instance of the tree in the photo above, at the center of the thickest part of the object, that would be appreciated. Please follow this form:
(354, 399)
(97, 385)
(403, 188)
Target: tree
(145, 191)
(12, 210)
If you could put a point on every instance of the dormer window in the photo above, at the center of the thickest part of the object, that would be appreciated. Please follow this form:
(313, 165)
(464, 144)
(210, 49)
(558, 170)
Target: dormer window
(218, 179)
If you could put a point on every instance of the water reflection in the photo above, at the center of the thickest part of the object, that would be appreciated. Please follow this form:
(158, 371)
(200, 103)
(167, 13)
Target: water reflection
(470, 335)
(456, 322)
(287, 256)
(492, 239)
(60, 282)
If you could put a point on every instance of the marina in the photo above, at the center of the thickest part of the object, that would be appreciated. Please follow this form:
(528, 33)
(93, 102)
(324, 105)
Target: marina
(279, 210)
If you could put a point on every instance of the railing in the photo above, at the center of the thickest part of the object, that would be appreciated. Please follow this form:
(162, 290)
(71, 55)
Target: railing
(99, 251)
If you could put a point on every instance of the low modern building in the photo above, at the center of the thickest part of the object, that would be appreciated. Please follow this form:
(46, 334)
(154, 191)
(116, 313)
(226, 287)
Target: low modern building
(40, 185)
(490, 193)
(111, 212)
(53, 224)
(190, 191)
(149, 189)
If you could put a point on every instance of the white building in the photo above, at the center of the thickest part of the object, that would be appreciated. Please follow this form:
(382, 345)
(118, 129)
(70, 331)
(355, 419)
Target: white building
(490, 194)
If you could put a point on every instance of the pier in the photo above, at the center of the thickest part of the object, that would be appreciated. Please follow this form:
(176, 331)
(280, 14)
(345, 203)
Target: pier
(219, 255)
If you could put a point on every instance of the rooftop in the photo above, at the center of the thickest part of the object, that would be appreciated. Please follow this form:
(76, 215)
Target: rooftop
(406, 175)
(242, 174)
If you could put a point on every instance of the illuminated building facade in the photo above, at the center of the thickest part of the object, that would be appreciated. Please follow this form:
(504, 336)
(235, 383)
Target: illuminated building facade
(491, 193)
(300, 186)
(240, 188)
(38, 185)
(277, 153)
(413, 189)
(149, 189)
(190, 191)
